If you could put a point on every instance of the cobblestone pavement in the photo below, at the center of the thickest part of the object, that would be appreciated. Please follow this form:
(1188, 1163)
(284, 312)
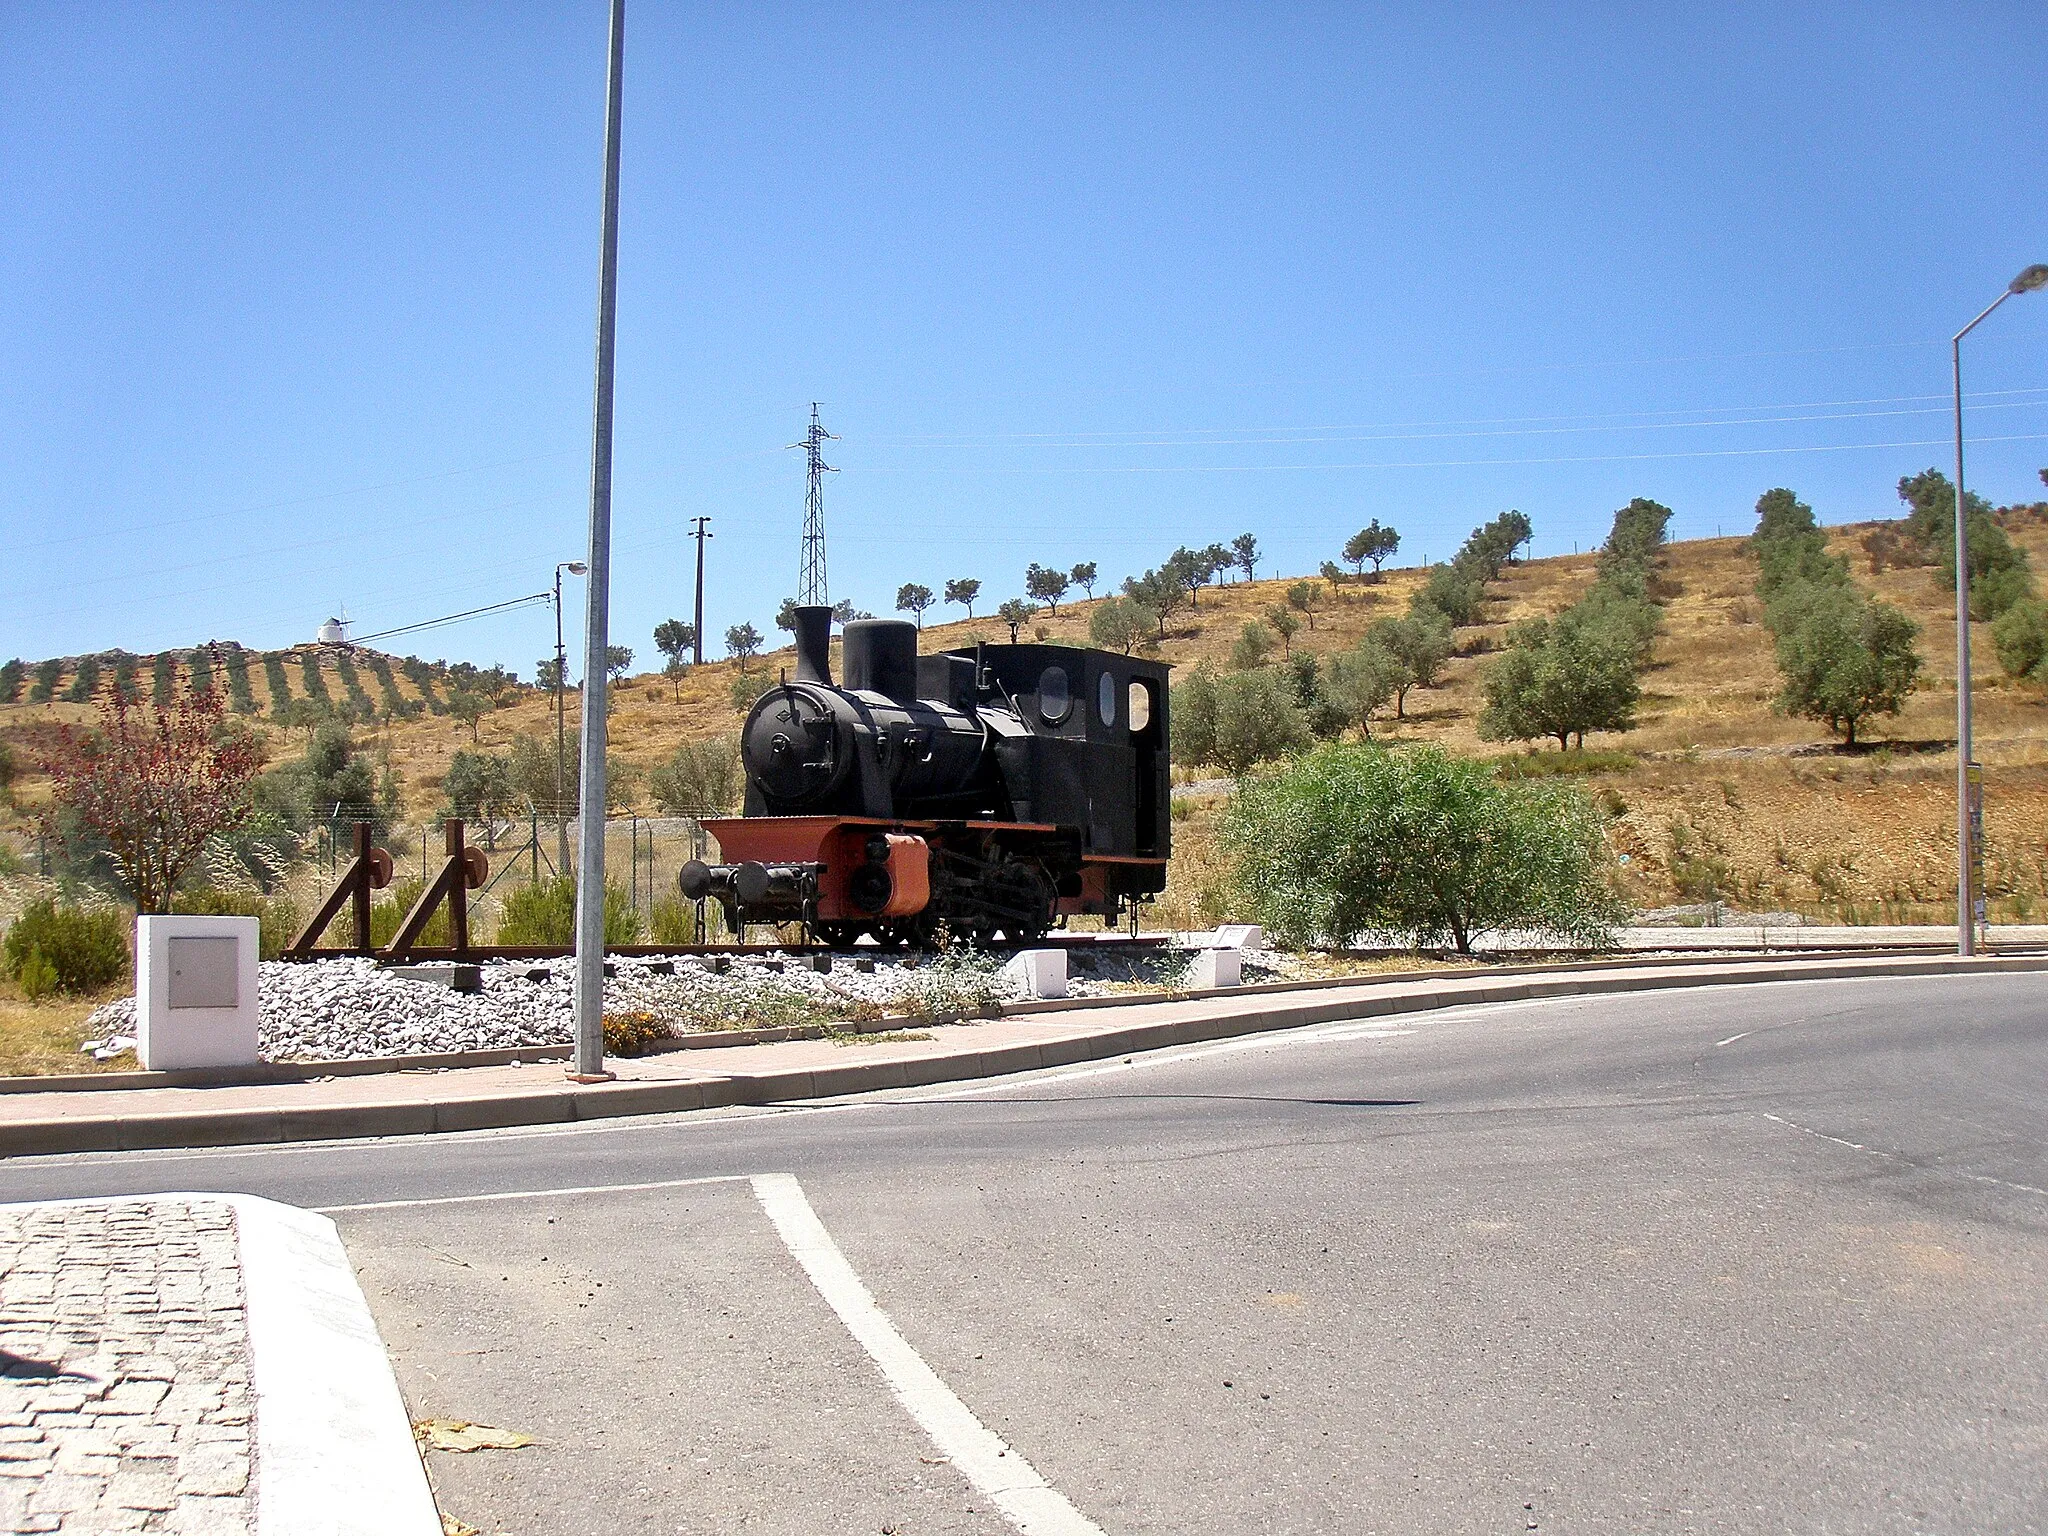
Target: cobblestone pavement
(125, 1403)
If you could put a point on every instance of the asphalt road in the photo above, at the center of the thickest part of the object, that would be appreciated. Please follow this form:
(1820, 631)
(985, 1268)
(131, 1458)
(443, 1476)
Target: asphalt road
(1741, 1259)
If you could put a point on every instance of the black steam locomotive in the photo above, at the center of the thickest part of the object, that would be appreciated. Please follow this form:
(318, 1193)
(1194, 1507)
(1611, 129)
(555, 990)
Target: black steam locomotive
(994, 791)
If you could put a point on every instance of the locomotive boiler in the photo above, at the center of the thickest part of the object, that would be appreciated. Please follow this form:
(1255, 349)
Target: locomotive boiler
(994, 791)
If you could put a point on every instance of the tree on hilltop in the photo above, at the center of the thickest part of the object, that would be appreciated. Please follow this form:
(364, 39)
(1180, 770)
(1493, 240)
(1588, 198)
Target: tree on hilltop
(964, 592)
(913, 599)
(1374, 543)
(743, 642)
(1244, 551)
(1045, 586)
(673, 638)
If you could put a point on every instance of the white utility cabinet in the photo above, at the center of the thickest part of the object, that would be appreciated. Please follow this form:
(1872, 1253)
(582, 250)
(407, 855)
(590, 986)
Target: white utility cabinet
(1043, 971)
(195, 992)
(1216, 968)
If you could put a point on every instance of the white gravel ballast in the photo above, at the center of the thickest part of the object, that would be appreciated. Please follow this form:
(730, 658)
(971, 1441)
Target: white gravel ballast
(351, 1008)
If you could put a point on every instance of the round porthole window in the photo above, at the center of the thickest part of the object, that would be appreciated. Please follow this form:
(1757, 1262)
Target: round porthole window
(1105, 699)
(1055, 700)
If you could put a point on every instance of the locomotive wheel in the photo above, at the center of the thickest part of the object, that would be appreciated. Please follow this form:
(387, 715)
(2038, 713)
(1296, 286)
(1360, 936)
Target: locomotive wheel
(1027, 887)
(838, 935)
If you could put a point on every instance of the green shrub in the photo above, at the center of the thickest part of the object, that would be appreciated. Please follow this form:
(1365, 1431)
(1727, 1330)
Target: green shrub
(387, 914)
(700, 777)
(1194, 716)
(84, 947)
(2021, 635)
(38, 978)
(1418, 846)
(746, 687)
(960, 981)
(1257, 720)
(545, 913)
(673, 921)
(277, 917)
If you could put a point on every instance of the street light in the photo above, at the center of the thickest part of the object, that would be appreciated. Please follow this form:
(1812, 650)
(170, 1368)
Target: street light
(574, 568)
(2032, 278)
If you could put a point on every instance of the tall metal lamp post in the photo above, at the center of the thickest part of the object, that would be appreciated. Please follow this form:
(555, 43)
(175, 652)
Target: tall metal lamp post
(574, 568)
(589, 1066)
(2034, 277)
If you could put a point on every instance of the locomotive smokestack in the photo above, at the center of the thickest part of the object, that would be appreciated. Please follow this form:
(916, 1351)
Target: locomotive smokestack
(881, 657)
(814, 644)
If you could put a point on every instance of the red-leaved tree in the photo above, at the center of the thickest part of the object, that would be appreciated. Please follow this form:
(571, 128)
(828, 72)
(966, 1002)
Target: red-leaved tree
(155, 784)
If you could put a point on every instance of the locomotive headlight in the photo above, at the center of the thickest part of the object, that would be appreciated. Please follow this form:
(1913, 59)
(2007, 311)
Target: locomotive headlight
(877, 849)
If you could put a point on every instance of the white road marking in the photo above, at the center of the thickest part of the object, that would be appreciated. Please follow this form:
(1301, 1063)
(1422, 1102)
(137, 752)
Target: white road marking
(1894, 1157)
(1985, 1178)
(1733, 1038)
(1310, 1034)
(1005, 1478)
(1853, 1146)
(530, 1194)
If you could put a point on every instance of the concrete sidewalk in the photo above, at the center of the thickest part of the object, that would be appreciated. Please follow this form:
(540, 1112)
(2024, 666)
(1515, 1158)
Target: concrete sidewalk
(474, 1098)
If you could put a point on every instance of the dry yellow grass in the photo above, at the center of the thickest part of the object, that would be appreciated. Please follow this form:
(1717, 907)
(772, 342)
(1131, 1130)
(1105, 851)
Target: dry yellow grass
(40, 1039)
(1725, 792)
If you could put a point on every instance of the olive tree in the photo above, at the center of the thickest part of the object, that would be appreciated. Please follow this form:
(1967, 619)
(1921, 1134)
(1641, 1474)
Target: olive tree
(914, 598)
(1120, 624)
(1417, 846)
(1421, 642)
(1374, 543)
(964, 590)
(700, 778)
(1561, 678)
(1258, 719)
(1842, 657)
(1305, 597)
(743, 642)
(1046, 586)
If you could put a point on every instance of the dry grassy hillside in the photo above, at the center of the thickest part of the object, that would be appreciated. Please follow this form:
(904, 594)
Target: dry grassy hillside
(1720, 796)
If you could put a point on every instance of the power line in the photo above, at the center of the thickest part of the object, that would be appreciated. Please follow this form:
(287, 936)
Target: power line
(1588, 458)
(1509, 426)
(456, 618)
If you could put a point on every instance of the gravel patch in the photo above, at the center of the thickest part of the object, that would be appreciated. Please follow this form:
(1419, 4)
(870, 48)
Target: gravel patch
(349, 1009)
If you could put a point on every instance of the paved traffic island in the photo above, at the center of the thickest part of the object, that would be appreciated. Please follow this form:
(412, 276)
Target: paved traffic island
(1026, 1037)
(194, 1364)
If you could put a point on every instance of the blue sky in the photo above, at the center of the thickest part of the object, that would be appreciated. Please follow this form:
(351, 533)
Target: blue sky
(296, 301)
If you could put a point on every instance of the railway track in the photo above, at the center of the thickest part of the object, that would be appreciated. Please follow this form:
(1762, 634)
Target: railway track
(475, 953)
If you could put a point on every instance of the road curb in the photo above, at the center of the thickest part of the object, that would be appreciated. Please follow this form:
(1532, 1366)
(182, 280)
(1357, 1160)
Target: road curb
(334, 1447)
(1215, 1016)
(332, 1444)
